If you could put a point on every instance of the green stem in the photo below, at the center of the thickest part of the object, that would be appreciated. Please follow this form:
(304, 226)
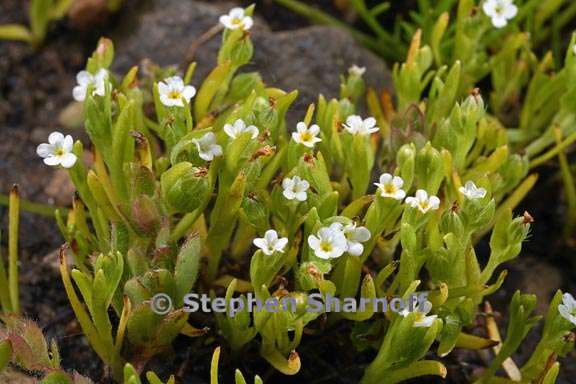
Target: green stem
(13, 226)
(185, 224)
(554, 151)
(569, 186)
(4, 289)
(32, 207)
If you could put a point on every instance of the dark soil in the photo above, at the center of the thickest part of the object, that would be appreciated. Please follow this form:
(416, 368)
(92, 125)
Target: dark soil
(36, 85)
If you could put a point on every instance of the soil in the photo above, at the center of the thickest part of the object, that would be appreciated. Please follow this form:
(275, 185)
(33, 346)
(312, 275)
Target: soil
(35, 86)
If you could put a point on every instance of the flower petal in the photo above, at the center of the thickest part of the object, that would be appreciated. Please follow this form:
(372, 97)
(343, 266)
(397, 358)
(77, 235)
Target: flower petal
(44, 150)
(84, 78)
(399, 194)
(55, 138)
(434, 202)
(421, 195)
(301, 196)
(68, 143)
(355, 249)
(68, 160)
(52, 160)
(79, 93)
(289, 194)
(362, 234)
(313, 242)
(189, 92)
(288, 183)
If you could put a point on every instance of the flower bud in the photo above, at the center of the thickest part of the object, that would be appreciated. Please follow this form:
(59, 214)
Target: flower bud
(256, 211)
(145, 215)
(429, 168)
(473, 106)
(184, 187)
(406, 159)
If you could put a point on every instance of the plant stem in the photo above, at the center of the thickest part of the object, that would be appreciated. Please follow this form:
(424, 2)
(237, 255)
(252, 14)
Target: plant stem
(32, 207)
(4, 289)
(13, 226)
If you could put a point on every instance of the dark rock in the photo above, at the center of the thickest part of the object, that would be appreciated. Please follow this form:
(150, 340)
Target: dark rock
(309, 59)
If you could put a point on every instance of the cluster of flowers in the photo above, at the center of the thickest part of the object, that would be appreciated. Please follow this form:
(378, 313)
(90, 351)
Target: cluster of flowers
(329, 242)
(335, 240)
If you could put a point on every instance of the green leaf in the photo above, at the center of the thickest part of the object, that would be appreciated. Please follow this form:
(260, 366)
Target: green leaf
(15, 32)
(187, 265)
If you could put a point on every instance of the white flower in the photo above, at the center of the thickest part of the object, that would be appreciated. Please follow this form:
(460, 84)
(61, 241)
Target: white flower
(574, 49)
(471, 191)
(356, 126)
(58, 150)
(500, 11)
(421, 319)
(172, 90)
(270, 243)
(568, 308)
(237, 18)
(239, 127)
(391, 186)
(207, 147)
(355, 236)
(86, 79)
(356, 70)
(306, 136)
(295, 188)
(329, 243)
(423, 202)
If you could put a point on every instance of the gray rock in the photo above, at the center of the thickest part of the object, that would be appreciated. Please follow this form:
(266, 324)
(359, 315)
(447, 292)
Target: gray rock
(309, 59)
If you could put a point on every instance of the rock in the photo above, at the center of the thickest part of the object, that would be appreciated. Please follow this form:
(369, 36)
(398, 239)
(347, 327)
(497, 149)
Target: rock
(60, 189)
(309, 59)
(530, 275)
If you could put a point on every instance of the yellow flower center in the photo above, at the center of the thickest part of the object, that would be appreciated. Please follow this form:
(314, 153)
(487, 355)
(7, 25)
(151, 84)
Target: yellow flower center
(326, 247)
(389, 188)
(305, 136)
(424, 205)
(236, 21)
(174, 95)
(59, 152)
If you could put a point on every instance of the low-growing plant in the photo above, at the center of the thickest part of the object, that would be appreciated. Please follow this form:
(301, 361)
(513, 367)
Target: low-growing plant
(496, 42)
(210, 189)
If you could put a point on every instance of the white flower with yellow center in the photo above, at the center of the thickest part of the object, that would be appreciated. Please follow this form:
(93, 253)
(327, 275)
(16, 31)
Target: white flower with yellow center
(329, 243)
(58, 150)
(207, 147)
(173, 91)
(270, 243)
(85, 79)
(421, 320)
(356, 126)
(568, 308)
(500, 11)
(237, 18)
(239, 127)
(423, 202)
(307, 136)
(471, 191)
(295, 188)
(354, 235)
(391, 186)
